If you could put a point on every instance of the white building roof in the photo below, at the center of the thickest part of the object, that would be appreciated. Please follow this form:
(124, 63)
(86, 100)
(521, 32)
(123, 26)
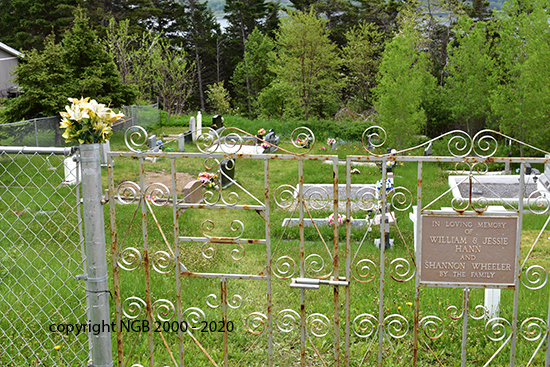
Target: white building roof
(10, 50)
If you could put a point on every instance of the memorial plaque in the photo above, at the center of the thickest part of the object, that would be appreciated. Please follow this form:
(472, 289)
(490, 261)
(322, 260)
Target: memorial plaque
(468, 250)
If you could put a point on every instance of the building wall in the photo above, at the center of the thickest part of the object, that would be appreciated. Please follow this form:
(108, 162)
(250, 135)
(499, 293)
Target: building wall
(8, 62)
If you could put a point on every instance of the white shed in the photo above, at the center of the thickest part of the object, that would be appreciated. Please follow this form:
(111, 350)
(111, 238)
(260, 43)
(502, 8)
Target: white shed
(8, 63)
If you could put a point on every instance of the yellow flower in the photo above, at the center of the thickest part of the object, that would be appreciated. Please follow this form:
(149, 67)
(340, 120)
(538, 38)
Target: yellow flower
(114, 117)
(57, 347)
(65, 123)
(409, 304)
(398, 308)
(75, 113)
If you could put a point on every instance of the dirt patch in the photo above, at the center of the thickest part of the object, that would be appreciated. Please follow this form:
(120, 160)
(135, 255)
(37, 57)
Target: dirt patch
(164, 177)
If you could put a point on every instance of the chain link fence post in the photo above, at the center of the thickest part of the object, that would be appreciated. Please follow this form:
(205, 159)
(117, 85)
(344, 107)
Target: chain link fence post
(94, 233)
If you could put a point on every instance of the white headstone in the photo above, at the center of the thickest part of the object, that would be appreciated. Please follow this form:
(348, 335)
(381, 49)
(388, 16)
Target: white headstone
(199, 122)
(69, 164)
(492, 302)
(193, 127)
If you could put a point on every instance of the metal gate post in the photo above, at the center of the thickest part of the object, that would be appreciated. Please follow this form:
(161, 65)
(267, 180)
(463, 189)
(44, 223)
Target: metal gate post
(96, 281)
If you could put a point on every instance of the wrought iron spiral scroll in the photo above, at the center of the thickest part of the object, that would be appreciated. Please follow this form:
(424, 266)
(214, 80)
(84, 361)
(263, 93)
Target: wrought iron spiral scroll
(397, 326)
(319, 324)
(133, 137)
(128, 192)
(194, 317)
(207, 140)
(163, 262)
(401, 270)
(234, 302)
(285, 196)
(498, 328)
(535, 277)
(538, 202)
(315, 264)
(132, 307)
(164, 310)
(285, 267)
(365, 271)
(287, 320)
(129, 259)
(432, 326)
(255, 323)
(364, 325)
(533, 328)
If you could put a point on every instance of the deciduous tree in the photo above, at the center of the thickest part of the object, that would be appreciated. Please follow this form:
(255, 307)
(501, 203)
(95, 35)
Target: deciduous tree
(308, 62)
(404, 82)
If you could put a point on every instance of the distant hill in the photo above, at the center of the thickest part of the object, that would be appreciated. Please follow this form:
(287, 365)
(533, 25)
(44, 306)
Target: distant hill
(217, 5)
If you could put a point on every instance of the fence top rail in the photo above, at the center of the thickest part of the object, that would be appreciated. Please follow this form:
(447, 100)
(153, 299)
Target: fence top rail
(38, 150)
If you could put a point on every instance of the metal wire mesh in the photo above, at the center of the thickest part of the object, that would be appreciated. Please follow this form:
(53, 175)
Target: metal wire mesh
(39, 132)
(40, 255)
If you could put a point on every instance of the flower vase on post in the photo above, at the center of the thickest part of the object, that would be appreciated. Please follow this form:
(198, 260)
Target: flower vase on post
(90, 123)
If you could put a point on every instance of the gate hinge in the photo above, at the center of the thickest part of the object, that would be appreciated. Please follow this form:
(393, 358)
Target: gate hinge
(309, 283)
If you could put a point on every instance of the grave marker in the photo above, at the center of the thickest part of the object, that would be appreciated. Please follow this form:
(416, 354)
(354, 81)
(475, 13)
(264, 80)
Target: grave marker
(461, 250)
(193, 128)
(192, 192)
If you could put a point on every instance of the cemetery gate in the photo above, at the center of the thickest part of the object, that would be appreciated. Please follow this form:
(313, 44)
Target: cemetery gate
(226, 256)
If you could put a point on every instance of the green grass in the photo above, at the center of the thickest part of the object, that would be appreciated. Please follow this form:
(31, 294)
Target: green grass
(248, 348)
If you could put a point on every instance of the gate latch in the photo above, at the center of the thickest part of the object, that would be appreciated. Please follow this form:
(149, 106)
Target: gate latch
(309, 283)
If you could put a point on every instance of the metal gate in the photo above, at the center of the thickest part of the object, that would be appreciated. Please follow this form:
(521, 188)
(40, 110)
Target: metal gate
(270, 261)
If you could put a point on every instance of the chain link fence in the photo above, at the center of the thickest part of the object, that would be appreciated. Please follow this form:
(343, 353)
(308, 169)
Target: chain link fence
(41, 132)
(41, 253)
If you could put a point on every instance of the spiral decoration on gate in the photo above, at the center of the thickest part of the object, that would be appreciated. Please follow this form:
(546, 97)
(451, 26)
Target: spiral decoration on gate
(132, 307)
(134, 137)
(432, 326)
(365, 271)
(163, 310)
(285, 267)
(318, 324)
(287, 320)
(255, 323)
(535, 277)
(498, 328)
(128, 192)
(364, 325)
(533, 328)
(163, 262)
(129, 258)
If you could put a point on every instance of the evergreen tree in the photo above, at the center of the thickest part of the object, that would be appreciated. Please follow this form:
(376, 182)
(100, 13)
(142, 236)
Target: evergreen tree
(80, 67)
(24, 24)
(201, 34)
(92, 70)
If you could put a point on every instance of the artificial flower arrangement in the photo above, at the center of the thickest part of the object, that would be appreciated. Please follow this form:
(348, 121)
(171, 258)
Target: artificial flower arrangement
(389, 185)
(304, 143)
(331, 141)
(341, 219)
(88, 122)
(261, 132)
(355, 171)
(207, 179)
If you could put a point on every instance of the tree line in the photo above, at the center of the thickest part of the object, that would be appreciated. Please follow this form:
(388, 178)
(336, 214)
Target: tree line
(413, 68)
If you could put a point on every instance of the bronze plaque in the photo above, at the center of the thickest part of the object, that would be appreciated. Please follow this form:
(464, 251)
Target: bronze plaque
(461, 249)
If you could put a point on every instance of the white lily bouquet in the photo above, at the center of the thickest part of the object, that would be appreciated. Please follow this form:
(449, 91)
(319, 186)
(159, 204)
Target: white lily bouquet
(88, 122)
